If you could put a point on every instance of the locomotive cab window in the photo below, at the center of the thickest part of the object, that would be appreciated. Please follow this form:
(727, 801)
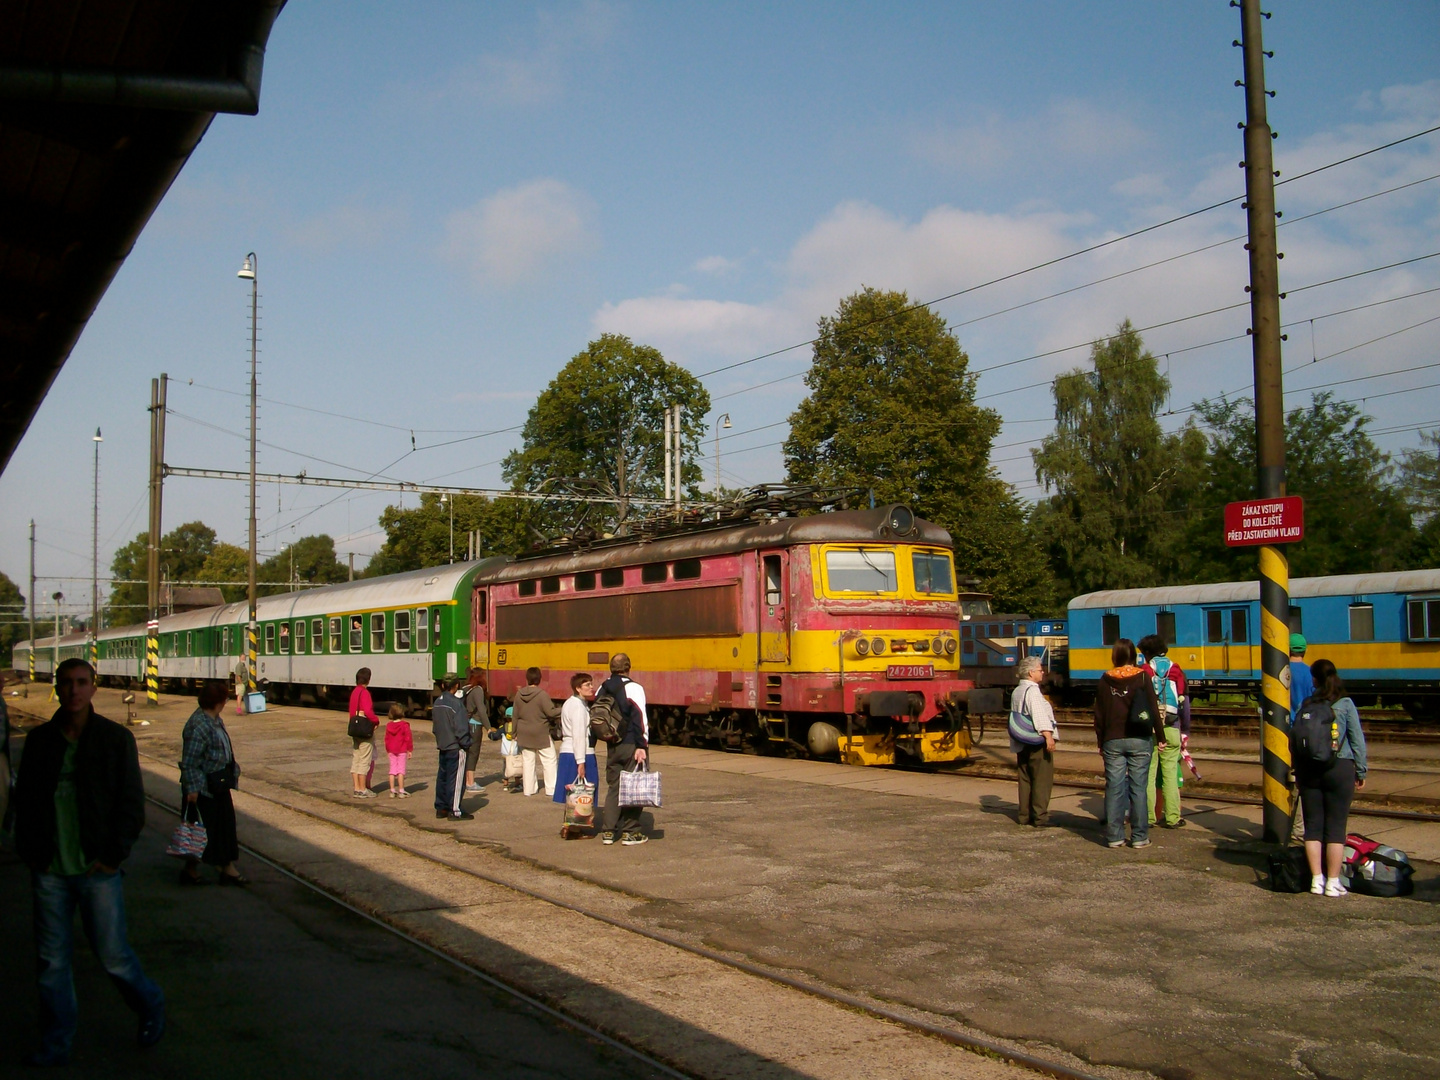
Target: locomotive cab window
(585, 581)
(861, 570)
(422, 629)
(527, 588)
(482, 608)
(1109, 629)
(932, 572)
(773, 585)
(654, 573)
(1362, 622)
(612, 578)
(402, 631)
(1165, 626)
(550, 585)
(377, 632)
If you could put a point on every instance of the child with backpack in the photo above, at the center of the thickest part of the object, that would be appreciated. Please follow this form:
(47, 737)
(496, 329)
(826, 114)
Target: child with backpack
(1169, 683)
(1327, 749)
(399, 745)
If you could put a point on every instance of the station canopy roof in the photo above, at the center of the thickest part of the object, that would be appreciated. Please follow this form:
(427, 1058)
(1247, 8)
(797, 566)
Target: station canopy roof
(101, 104)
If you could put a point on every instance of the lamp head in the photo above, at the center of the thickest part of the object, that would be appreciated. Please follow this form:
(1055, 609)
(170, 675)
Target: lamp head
(97, 437)
(725, 421)
(248, 270)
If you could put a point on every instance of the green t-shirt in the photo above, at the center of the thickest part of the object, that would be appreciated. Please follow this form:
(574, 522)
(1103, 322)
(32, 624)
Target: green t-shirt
(69, 857)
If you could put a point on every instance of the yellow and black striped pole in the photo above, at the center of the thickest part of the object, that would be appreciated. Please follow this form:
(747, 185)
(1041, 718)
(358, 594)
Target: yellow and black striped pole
(152, 662)
(1269, 428)
(252, 652)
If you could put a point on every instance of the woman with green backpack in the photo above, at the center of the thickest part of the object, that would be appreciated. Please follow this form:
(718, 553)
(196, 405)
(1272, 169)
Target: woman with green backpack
(1327, 748)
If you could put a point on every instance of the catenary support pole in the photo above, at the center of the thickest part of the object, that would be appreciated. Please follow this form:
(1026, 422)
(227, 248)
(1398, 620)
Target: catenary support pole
(95, 560)
(158, 389)
(1269, 429)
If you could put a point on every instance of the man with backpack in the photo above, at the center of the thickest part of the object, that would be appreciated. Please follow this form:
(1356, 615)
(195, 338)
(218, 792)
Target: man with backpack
(1169, 683)
(628, 751)
(452, 738)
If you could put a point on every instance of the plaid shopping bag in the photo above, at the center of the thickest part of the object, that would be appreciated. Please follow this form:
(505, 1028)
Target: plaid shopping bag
(189, 838)
(640, 787)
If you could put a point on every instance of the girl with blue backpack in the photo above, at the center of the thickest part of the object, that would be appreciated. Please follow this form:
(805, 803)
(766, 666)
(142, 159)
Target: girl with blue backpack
(1169, 684)
(1327, 749)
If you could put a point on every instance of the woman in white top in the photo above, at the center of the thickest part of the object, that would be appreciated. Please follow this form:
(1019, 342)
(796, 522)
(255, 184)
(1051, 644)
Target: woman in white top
(1032, 740)
(577, 749)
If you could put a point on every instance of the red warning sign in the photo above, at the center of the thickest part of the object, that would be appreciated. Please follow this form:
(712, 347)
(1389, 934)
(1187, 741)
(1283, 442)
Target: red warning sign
(1265, 521)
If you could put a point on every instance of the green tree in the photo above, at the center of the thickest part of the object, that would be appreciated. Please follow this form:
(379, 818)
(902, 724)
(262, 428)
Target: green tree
(1420, 484)
(420, 537)
(892, 409)
(598, 428)
(1356, 519)
(13, 625)
(1120, 482)
(309, 561)
(183, 552)
(227, 563)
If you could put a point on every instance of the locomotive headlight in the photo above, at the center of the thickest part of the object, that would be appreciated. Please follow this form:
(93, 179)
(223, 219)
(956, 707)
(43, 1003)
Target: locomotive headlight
(937, 646)
(950, 647)
(862, 647)
(878, 646)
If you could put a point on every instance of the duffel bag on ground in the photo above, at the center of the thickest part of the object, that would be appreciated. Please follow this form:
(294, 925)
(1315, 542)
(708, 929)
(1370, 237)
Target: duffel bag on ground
(1289, 872)
(1376, 869)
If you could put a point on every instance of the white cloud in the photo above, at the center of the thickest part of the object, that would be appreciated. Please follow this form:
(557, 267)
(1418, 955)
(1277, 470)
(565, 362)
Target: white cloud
(1067, 130)
(536, 73)
(512, 236)
(716, 264)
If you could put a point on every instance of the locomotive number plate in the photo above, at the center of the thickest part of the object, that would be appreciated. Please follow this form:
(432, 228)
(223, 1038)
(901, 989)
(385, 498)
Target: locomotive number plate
(910, 671)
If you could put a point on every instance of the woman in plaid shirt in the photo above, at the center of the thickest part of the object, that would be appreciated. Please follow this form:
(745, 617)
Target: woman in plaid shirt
(207, 773)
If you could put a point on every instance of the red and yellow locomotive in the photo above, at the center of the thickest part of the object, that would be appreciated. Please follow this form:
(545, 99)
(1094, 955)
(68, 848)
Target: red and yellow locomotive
(832, 634)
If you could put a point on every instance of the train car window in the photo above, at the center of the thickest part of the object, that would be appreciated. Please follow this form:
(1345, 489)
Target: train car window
(435, 627)
(189, 643)
(335, 635)
(1109, 629)
(357, 633)
(687, 569)
(773, 585)
(527, 588)
(1432, 618)
(1008, 630)
(1362, 622)
(585, 582)
(550, 585)
(871, 571)
(612, 578)
(284, 638)
(377, 632)
(402, 631)
(1165, 626)
(1214, 627)
(482, 607)
(654, 573)
(225, 641)
(1423, 617)
(932, 572)
(1297, 619)
(422, 629)
(269, 638)
(317, 635)
(1239, 626)
(299, 636)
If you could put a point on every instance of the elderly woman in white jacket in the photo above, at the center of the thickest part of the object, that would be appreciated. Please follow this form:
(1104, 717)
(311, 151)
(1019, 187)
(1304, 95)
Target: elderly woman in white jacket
(1032, 740)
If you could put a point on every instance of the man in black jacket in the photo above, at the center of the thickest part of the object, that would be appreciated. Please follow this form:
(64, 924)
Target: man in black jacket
(629, 751)
(79, 808)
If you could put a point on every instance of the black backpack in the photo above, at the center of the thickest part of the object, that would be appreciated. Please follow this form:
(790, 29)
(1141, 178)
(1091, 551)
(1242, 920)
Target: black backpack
(1141, 722)
(607, 719)
(1315, 734)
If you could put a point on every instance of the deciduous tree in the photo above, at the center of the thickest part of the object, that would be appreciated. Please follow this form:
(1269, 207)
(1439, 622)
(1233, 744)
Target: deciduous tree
(420, 537)
(892, 408)
(13, 625)
(183, 552)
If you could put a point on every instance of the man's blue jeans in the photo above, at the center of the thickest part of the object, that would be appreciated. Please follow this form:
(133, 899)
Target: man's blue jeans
(101, 900)
(1127, 775)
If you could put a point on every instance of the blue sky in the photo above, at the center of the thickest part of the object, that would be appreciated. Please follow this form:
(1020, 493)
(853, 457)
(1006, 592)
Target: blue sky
(449, 200)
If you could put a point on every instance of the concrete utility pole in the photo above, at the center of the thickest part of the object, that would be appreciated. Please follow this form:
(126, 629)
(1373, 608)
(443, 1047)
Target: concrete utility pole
(158, 389)
(95, 559)
(1269, 428)
(30, 601)
(252, 629)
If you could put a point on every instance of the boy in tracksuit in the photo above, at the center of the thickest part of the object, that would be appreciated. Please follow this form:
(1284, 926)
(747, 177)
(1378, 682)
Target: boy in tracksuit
(1169, 682)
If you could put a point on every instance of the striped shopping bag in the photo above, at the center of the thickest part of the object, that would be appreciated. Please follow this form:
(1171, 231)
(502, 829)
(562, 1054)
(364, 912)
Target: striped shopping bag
(640, 787)
(189, 838)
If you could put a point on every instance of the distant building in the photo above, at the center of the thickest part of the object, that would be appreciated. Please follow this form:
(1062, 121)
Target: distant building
(177, 598)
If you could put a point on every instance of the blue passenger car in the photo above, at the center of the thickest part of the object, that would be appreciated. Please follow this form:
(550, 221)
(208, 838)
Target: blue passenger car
(1382, 631)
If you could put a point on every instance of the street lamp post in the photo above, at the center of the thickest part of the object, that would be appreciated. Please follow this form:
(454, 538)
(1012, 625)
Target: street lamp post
(95, 559)
(248, 272)
(443, 500)
(723, 422)
(55, 648)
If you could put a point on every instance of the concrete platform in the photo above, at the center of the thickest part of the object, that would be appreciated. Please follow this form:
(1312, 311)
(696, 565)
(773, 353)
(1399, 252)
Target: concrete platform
(921, 891)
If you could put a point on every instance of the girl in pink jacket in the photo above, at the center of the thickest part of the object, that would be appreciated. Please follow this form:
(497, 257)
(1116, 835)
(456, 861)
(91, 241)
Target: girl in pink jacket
(399, 742)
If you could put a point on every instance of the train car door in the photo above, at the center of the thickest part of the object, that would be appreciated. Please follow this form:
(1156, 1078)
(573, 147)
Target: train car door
(774, 622)
(480, 628)
(1227, 641)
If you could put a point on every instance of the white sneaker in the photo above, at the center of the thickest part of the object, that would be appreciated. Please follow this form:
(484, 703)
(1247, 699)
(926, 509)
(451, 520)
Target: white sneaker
(1335, 887)
(1317, 884)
